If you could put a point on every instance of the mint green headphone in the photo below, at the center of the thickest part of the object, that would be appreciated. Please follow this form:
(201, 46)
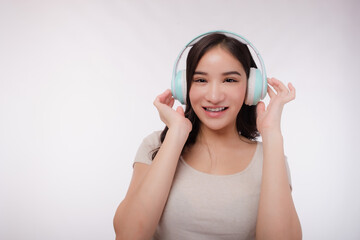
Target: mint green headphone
(256, 85)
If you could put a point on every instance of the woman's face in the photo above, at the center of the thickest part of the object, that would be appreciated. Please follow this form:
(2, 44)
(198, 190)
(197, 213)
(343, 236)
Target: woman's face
(218, 89)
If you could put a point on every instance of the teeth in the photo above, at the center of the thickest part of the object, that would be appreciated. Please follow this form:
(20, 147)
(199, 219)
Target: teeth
(215, 109)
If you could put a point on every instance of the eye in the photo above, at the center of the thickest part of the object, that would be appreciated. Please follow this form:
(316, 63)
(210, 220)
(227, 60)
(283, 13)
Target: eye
(200, 80)
(230, 80)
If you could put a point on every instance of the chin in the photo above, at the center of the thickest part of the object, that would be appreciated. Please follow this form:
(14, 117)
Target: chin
(217, 126)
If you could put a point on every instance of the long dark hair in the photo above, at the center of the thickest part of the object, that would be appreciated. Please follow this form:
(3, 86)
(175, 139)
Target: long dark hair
(246, 118)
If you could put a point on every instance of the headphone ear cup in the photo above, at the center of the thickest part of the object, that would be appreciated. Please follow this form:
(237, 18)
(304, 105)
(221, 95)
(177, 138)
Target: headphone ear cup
(254, 87)
(178, 87)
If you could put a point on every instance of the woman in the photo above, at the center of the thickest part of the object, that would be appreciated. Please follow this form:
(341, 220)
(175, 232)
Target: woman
(205, 176)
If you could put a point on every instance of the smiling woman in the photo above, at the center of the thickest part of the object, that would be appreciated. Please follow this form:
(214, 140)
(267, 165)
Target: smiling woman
(205, 176)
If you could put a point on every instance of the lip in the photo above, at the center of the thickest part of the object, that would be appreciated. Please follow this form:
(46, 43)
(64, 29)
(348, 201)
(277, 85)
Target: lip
(215, 114)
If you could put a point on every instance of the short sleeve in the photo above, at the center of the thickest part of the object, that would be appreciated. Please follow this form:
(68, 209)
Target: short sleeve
(147, 147)
(288, 172)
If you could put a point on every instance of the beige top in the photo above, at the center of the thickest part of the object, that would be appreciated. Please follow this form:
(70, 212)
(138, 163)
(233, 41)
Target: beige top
(205, 206)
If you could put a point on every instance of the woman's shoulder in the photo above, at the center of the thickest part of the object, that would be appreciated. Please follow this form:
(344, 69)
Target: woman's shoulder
(153, 138)
(150, 143)
(252, 142)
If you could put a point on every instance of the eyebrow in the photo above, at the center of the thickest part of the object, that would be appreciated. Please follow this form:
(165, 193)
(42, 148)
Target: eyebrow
(224, 74)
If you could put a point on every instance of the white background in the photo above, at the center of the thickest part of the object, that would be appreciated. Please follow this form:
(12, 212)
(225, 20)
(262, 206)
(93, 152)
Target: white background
(77, 82)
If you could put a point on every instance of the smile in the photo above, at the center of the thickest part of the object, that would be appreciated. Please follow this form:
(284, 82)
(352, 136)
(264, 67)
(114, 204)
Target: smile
(219, 109)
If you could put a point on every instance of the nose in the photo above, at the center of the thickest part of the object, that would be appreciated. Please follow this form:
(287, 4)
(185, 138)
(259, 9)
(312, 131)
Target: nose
(215, 93)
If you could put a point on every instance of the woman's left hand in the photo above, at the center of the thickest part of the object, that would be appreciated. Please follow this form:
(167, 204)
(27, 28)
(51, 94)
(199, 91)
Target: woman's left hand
(269, 119)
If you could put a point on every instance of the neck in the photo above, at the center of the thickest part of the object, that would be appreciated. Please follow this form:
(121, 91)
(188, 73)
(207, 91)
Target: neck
(216, 138)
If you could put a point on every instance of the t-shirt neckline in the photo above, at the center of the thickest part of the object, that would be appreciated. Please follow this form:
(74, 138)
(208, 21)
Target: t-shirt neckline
(224, 175)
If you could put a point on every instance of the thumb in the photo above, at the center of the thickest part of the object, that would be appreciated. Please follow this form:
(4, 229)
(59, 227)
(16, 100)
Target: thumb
(156, 102)
(260, 108)
(180, 110)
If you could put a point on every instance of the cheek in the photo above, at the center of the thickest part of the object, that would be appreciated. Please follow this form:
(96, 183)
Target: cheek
(239, 92)
(193, 95)
(244, 88)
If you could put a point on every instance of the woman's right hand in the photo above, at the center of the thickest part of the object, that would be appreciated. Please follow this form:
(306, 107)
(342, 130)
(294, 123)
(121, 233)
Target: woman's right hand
(172, 118)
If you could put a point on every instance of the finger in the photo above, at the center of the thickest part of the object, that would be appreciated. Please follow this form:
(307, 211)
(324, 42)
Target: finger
(167, 100)
(282, 86)
(291, 95)
(274, 84)
(171, 103)
(180, 110)
(270, 92)
(260, 108)
(169, 93)
(292, 90)
(279, 86)
(160, 98)
(164, 96)
(170, 98)
(157, 102)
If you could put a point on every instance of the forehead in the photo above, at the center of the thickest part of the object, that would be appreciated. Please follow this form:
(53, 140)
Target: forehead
(218, 58)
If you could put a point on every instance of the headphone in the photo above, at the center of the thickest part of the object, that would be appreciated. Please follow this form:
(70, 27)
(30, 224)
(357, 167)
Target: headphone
(257, 81)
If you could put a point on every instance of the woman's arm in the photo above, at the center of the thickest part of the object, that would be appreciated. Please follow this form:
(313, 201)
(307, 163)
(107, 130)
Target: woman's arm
(139, 213)
(277, 217)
